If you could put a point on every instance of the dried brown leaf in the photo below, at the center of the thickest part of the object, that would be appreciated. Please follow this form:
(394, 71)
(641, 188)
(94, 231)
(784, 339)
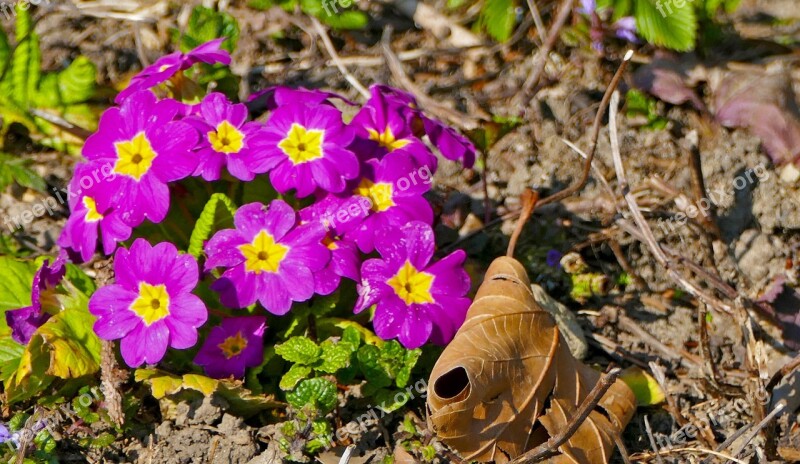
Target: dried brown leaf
(507, 382)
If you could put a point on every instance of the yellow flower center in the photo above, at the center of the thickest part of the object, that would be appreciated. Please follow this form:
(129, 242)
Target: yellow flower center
(411, 285)
(379, 195)
(233, 346)
(263, 255)
(226, 139)
(134, 157)
(387, 139)
(329, 242)
(302, 145)
(152, 304)
(164, 67)
(91, 210)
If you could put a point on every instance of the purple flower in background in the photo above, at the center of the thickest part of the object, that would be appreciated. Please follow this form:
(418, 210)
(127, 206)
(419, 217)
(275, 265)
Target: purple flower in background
(345, 258)
(24, 321)
(392, 189)
(625, 28)
(268, 258)
(5, 434)
(167, 66)
(303, 148)
(151, 306)
(232, 346)
(382, 128)
(147, 149)
(226, 139)
(587, 7)
(415, 300)
(553, 258)
(447, 140)
(272, 98)
(92, 214)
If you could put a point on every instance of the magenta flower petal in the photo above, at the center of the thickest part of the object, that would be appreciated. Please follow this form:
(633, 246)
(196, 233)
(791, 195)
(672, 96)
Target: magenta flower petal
(150, 307)
(276, 258)
(226, 139)
(146, 148)
(415, 302)
(167, 66)
(303, 148)
(233, 346)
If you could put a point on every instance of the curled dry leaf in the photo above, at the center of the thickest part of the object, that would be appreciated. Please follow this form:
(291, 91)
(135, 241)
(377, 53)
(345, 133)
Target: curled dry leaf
(507, 382)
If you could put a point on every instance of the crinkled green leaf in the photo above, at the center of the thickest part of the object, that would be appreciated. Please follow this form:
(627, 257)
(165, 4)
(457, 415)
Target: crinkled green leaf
(335, 356)
(390, 400)
(369, 361)
(318, 393)
(300, 350)
(217, 214)
(352, 336)
(404, 373)
(673, 27)
(497, 17)
(293, 376)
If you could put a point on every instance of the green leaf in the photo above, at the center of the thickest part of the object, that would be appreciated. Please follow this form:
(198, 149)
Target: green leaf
(335, 356)
(319, 393)
(217, 214)
(71, 344)
(300, 350)
(75, 84)
(670, 26)
(64, 347)
(348, 20)
(207, 24)
(352, 336)
(22, 78)
(291, 378)
(16, 280)
(645, 388)
(404, 374)
(369, 360)
(10, 354)
(14, 169)
(497, 18)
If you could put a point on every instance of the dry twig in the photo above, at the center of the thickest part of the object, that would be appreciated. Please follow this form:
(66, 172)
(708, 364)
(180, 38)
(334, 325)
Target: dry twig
(550, 447)
(335, 57)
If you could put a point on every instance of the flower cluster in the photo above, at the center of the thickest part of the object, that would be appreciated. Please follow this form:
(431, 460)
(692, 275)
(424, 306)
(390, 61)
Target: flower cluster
(350, 191)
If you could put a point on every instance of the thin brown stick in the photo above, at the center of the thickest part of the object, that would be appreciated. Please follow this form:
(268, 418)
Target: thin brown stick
(537, 20)
(528, 198)
(439, 110)
(541, 57)
(598, 121)
(335, 57)
(550, 447)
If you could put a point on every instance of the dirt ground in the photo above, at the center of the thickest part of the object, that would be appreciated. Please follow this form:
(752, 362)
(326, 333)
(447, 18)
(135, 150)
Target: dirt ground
(759, 220)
